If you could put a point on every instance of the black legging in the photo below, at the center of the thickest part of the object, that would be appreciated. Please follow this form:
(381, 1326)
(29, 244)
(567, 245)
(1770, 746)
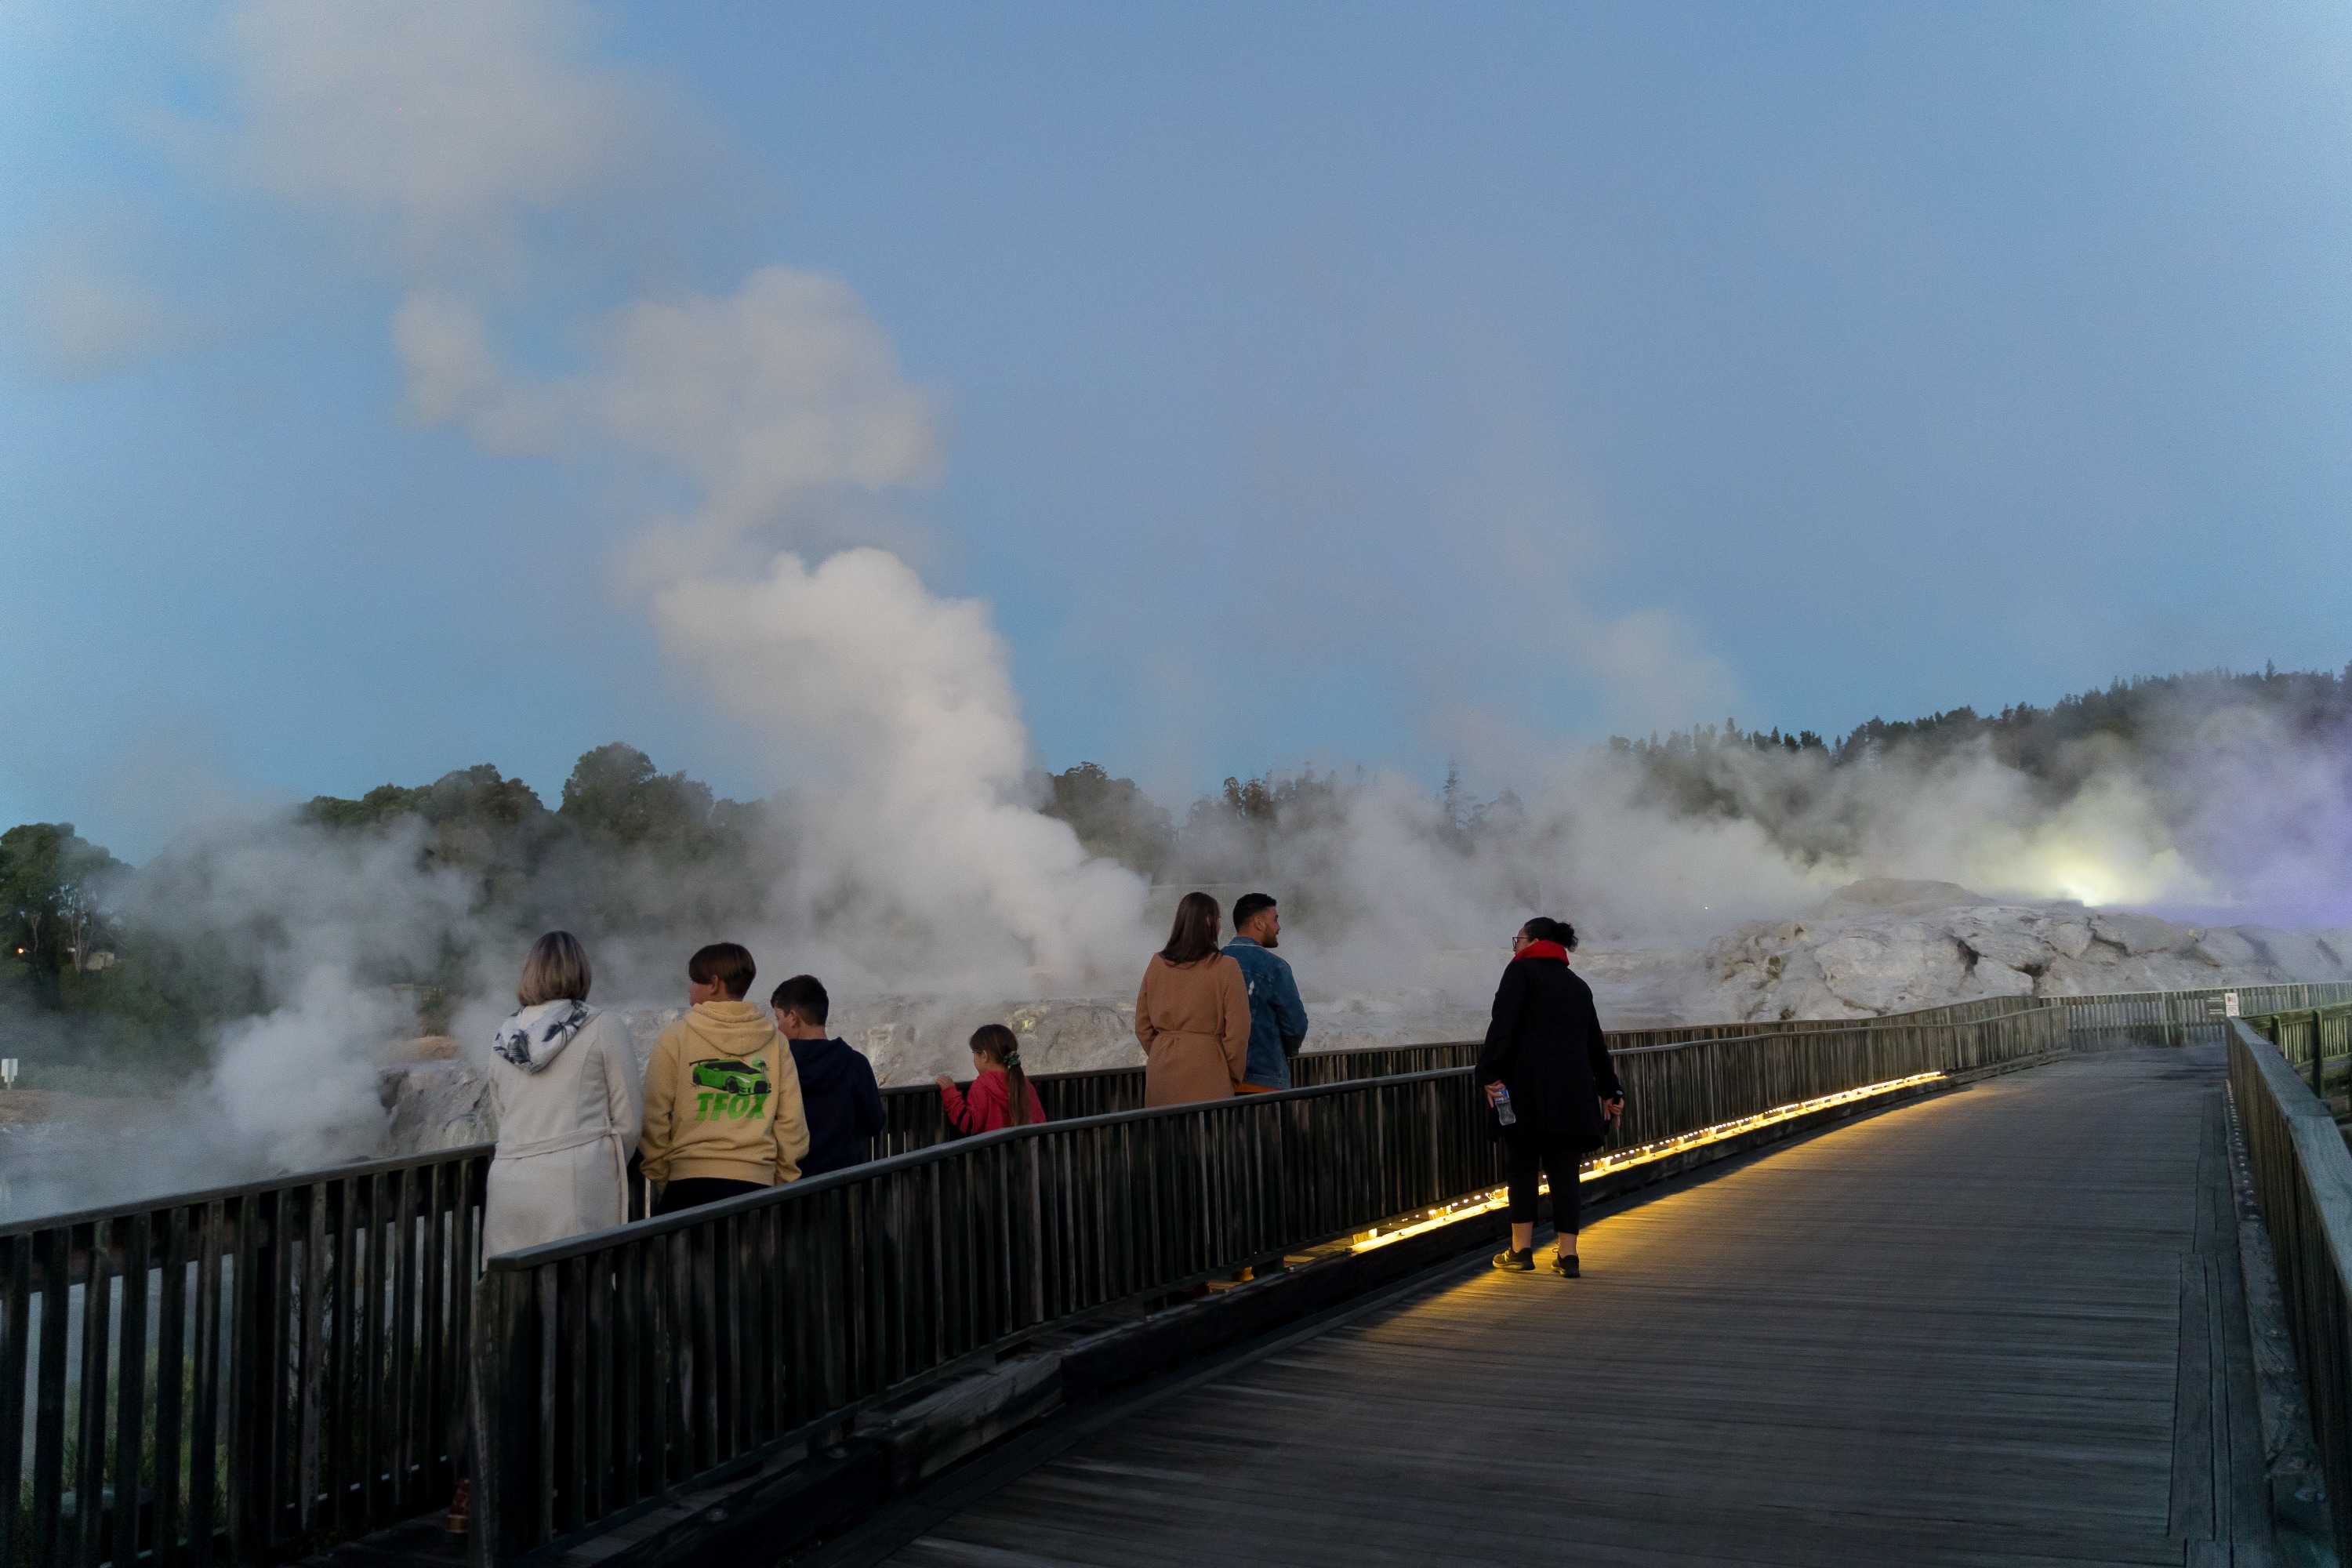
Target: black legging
(1525, 1149)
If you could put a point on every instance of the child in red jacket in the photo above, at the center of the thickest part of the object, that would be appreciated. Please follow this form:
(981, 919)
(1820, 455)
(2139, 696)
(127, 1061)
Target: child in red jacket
(1000, 1094)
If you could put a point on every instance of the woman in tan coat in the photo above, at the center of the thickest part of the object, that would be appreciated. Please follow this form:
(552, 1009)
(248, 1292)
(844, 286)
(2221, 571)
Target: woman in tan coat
(1192, 1012)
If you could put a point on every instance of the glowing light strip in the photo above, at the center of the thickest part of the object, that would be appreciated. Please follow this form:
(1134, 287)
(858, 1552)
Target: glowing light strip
(1624, 1159)
(1647, 1152)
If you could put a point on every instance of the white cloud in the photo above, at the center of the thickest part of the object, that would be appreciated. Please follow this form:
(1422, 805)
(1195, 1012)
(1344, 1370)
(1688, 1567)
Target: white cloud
(82, 303)
(85, 324)
(765, 399)
(445, 350)
(442, 125)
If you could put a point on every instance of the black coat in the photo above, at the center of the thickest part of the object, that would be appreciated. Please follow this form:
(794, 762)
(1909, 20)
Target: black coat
(842, 1101)
(1545, 1045)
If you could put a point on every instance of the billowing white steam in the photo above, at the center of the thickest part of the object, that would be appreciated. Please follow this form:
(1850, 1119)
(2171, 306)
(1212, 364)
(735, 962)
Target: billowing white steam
(299, 1084)
(293, 1084)
(893, 709)
(921, 834)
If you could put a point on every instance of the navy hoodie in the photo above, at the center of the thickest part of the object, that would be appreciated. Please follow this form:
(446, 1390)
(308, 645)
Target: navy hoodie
(842, 1101)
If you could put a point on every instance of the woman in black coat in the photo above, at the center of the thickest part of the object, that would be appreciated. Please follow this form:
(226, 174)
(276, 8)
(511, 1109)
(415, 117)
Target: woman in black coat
(1546, 1060)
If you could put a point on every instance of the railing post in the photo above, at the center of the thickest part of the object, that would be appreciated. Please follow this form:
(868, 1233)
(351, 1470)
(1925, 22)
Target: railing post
(505, 1409)
(16, 1306)
(49, 1396)
(253, 1420)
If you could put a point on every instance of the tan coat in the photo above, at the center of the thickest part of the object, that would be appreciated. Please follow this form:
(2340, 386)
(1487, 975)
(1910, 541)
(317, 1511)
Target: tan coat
(1195, 1022)
(723, 1100)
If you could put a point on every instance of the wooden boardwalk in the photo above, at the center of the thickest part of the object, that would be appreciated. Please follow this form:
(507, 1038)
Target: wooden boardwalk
(2001, 1326)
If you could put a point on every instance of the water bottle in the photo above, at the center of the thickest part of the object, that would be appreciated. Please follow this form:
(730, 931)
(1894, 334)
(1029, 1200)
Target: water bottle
(1503, 1111)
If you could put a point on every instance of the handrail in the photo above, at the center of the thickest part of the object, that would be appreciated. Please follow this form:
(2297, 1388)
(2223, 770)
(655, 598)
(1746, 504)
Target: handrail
(287, 1181)
(2192, 1017)
(917, 1122)
(2302, 1177)
(249, 1414)
(615, 1367)
(1659, 1104)
(810, 1189)
(279, 1364)
(1088, 1091)
(277, 1416)
(2311, 1039)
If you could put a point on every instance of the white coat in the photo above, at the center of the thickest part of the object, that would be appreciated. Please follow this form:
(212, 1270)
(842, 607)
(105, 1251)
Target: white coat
(566, 1131)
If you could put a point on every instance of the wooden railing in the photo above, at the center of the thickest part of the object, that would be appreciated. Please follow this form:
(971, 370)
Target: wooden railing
(250, 1421)
(613, 1367)
(2195, 1017)
(915, 1121)
(2302, 1176)
(2316, 1041)
(252, 1370)
(1677, 1088)
(205, 1418)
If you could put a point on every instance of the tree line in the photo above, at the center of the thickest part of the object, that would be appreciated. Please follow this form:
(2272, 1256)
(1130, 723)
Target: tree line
(2160, 730)
(103, 959)
(100, 958)
(147, 961)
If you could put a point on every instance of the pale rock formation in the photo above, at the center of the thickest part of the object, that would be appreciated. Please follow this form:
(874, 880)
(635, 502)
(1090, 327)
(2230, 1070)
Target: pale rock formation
(432, 1105)
(1889, 947)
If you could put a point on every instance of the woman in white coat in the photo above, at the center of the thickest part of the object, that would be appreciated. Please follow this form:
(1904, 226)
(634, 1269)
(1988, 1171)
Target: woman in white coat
(570, 1102)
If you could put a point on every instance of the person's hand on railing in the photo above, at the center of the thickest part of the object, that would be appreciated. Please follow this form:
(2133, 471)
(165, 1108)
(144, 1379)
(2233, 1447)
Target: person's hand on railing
(945, 1080)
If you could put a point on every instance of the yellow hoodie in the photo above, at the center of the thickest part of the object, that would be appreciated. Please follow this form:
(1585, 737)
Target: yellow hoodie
(723, 1100)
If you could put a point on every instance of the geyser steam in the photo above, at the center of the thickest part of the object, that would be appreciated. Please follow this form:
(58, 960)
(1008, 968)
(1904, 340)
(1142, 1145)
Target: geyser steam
(922, 825)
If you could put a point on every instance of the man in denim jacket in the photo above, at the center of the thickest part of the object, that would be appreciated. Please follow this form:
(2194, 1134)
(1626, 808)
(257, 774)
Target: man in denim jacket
(1277, 1017)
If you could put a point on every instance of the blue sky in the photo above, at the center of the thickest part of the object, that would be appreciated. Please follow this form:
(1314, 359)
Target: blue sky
(1311, 376)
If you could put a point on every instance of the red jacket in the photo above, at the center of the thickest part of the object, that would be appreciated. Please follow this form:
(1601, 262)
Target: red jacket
(987, 1105)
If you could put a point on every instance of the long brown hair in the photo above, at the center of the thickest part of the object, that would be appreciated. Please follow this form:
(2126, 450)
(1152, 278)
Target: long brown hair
(1001, 1046)
(1193, 936)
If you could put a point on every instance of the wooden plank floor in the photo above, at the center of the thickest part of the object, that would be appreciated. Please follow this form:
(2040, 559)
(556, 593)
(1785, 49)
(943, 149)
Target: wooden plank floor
(1993, 1327)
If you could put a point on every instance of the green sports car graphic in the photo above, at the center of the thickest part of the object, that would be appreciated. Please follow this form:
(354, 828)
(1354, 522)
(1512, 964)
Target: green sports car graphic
(731, 1078)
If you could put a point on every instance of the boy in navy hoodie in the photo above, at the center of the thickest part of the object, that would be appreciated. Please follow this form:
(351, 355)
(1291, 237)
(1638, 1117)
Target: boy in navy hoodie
(838, 1094)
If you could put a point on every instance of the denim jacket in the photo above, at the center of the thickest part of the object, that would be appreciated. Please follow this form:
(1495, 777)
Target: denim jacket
(1277, 1017)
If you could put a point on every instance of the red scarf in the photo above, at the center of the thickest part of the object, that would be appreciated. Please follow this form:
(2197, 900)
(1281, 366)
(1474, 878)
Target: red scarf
(1541, 950)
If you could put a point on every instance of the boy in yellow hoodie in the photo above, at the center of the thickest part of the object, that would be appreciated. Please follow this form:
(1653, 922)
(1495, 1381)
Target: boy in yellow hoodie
(722, 1097)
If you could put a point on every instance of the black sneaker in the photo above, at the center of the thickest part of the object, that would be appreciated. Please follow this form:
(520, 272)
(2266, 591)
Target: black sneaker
(1516, 1262)
(1565, 1263)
